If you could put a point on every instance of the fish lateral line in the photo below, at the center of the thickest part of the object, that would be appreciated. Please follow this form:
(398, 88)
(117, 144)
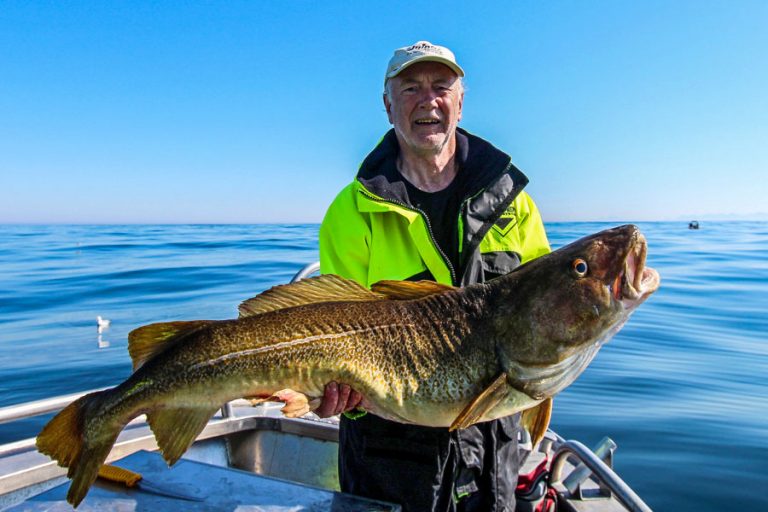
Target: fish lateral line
(294, 343)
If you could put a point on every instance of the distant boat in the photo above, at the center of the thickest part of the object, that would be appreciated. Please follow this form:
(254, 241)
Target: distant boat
(694, 224)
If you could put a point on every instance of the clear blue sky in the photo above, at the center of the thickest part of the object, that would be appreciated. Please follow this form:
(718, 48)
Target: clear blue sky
(260, 111)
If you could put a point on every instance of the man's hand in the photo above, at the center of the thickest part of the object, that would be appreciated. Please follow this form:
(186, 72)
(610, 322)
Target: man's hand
(338, 398)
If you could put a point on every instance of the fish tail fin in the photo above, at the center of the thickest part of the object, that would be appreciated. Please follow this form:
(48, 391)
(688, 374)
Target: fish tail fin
(64, 439)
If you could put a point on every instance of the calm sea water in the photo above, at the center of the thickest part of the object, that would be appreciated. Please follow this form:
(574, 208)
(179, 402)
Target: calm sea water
(681, 389)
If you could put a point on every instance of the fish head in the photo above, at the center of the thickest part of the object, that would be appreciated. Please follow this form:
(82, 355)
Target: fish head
(605, 272)
(565, 305)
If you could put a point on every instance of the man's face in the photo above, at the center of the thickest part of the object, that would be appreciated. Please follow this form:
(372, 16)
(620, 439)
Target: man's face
(424, 105)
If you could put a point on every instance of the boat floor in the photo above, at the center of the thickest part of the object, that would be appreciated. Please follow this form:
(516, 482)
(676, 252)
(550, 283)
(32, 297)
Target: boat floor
(217, 488)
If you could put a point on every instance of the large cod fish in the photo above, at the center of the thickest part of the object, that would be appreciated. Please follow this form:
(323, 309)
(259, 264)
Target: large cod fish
(421, 353)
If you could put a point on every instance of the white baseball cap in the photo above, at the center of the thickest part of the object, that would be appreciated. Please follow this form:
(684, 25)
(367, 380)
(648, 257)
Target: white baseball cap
(420, 52)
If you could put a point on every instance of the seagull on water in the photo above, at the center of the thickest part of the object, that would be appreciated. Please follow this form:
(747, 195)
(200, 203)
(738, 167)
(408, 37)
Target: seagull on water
(102, 324)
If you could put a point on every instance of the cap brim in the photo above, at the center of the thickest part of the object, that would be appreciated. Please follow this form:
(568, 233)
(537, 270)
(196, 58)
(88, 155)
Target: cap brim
(427, 58)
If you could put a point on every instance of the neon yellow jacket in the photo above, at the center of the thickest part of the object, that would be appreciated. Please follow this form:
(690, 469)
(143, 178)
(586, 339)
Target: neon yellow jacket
(371, 232)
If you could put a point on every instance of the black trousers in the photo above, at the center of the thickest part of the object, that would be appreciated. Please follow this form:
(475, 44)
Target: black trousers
(427, 469)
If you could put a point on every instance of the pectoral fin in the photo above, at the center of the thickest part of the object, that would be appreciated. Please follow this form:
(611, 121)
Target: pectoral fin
(536, 420)
(176, 428)
(482, 403)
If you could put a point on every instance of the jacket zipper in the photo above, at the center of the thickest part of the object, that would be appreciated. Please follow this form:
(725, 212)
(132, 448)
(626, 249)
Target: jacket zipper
(445, 259)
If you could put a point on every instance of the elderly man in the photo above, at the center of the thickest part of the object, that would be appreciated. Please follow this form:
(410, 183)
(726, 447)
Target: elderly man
(431, 201)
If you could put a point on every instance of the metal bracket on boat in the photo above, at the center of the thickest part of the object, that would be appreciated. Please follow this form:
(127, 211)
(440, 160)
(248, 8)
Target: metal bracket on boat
(590, 463)
(526, 447)
(604, 450)
(227, 411)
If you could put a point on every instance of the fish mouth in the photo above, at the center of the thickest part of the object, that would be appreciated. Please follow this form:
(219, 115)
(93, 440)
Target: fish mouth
(634, 282)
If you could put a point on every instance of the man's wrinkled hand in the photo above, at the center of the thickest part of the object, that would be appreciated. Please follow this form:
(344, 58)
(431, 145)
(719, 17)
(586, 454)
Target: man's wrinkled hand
(338, 398)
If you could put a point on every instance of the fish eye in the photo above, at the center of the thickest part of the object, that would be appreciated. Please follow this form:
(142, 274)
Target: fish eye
(580, 267)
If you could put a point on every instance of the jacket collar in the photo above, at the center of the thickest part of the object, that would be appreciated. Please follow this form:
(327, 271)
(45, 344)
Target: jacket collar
(479, 159)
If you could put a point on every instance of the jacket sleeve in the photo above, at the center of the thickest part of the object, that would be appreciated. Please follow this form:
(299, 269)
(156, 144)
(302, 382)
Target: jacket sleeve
(344, 239)
(533, 237)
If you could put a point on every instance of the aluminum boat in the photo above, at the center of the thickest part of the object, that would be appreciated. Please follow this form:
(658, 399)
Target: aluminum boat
(251, 458)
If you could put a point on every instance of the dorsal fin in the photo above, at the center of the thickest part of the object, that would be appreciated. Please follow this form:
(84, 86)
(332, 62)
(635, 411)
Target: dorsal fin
(406, 290)
(149, 340)
(324, 288)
